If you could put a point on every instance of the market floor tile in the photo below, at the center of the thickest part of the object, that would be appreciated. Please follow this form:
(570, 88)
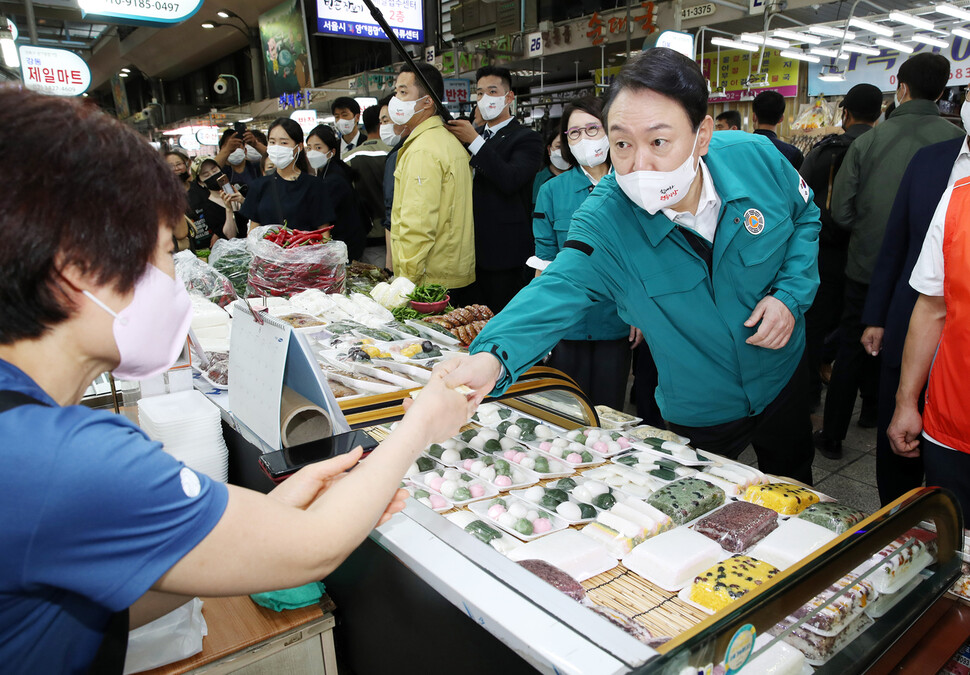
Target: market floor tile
(862, 470)
(851, 492)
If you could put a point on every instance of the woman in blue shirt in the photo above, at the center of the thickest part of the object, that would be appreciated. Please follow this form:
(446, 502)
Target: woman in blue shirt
(596, 351)
(97, 518)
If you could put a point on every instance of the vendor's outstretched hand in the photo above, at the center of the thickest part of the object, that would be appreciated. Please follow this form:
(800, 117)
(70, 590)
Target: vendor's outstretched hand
(776, 326)
(439, 412)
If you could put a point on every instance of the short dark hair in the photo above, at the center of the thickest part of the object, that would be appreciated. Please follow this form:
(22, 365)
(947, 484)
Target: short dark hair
(731, 117)
(925, 74)
(587, 104)
(386, 101)
(295, 132)
(550, 137)
(62, 214)
(345, 103)
(181, 155)
(668, 73)
(769, 107)
(226, 135)
(372, 119)
(431, 74)
(498, 71)
(260, 136)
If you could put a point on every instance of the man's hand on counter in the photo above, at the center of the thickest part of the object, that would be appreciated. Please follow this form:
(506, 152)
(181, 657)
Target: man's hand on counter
(479, 371)
(303, 487)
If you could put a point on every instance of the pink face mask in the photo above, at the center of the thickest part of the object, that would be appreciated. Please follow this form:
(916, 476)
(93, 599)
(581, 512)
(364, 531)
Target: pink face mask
(151, 331)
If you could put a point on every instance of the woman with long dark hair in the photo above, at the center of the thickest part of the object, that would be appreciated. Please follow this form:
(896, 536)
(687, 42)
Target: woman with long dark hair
(290, 196)
(337, 181)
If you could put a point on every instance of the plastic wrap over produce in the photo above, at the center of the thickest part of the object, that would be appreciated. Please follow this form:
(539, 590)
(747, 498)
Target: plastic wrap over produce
(232, 258)
(202, 278)
(286, 271)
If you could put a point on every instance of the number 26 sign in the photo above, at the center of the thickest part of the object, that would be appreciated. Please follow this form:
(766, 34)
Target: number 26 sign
(533, 45)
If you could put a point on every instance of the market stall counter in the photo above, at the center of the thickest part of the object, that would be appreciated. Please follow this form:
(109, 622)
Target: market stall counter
(650, 535)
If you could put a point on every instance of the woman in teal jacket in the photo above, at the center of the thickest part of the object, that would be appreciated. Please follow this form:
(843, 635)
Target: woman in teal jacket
(596, 351)
(555, 163)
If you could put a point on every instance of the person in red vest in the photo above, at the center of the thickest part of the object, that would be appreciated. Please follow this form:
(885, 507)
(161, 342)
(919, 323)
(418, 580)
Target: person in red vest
(938, 347)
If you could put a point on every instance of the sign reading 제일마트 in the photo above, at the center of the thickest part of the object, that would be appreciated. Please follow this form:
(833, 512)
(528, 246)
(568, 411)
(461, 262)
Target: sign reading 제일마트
(146, 12)
(58, 72)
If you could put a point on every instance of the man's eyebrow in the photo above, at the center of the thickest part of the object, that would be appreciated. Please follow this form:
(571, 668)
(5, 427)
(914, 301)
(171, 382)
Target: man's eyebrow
(655, 127)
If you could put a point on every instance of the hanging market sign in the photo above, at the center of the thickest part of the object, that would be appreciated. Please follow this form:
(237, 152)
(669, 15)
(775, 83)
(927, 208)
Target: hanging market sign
(736, 65)
(457, 90)
(307, 119)
(208, 135)
(189, 142)
(57, 72)
(351, 18)
(141, 12)
(881, 70)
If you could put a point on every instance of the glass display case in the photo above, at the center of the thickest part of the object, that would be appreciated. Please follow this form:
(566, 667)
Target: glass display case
(902, 560)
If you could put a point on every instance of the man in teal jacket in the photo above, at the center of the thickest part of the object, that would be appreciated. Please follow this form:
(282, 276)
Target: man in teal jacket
(714, 259)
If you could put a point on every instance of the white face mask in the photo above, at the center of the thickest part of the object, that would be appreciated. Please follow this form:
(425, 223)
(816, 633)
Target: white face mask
(237, 156)
(281, 156)
(896, 98)
(318, 159)
(490, 106)
(557, 161)
(965, 115)
(401, 111)
(388, 135)
(252, 154)
(655, 190)
(589, 152)
(345, 127)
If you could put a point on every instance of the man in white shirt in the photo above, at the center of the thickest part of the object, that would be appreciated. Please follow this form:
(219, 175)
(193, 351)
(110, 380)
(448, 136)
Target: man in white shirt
(941, 277)
(346, 113)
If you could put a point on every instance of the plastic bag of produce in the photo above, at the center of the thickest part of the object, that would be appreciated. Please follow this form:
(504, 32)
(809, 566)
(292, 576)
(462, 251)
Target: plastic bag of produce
(286, 271)
(231, 257)
(202, 278)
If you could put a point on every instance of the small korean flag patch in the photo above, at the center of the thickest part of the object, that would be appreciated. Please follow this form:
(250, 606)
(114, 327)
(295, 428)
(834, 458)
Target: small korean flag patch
(803, 190)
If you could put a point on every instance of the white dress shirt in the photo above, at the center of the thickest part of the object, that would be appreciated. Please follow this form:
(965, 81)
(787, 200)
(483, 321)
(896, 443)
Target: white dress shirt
(477, 144)
(704, 221)
(927, 276)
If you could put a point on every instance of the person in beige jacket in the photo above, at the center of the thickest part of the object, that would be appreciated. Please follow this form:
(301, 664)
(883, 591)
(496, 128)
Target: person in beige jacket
(432, 224)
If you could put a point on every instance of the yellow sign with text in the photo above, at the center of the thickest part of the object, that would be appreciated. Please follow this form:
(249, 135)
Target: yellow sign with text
(736, 65)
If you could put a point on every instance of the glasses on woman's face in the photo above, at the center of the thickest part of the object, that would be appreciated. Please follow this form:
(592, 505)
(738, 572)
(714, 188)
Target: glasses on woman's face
(593, 130)
(178, 167)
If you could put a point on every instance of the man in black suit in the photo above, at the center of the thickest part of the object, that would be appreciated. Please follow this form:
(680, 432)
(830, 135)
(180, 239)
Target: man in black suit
(891, 299)
(505, 157)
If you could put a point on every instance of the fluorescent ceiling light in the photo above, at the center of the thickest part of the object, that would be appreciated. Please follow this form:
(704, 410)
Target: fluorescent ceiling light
(898, 46)
(860, 49)
(832, 76)
(222, 13)
(927, 40)
(831, 53)
(903, 17)
(8, 48)
(247, 119)
(961, 32)
(733, 44)
(208, 25)
(801, 56)
(122, 74)
(804, 38)
(871, 27)
(950, 10)
(828, 31)
(762, 40)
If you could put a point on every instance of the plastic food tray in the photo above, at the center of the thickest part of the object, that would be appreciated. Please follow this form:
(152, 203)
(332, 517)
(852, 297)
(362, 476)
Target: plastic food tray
(480, 509)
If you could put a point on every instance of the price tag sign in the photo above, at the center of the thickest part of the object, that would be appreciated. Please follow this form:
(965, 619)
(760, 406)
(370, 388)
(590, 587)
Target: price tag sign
(142, 12)
(533, 45)
(57, 72)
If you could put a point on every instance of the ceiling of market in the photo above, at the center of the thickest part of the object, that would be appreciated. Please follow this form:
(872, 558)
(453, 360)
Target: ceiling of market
(174, 51)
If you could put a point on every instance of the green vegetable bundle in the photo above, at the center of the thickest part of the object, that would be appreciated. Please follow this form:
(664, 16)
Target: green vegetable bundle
(429, 293)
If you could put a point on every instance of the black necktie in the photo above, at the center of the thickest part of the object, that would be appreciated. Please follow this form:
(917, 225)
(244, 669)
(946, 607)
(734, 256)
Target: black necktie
(487, 134)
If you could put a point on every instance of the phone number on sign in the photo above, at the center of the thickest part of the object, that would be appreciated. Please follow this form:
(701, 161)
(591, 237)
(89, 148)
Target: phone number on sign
(148, 4)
